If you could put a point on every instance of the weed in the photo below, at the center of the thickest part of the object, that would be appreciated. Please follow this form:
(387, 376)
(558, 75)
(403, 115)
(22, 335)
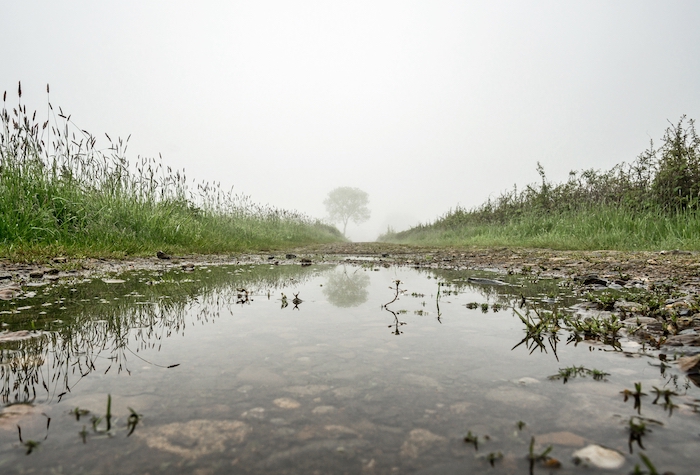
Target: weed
(472, 439)
(636, 395)
(573, 371)
(648, 464)
(666, 393)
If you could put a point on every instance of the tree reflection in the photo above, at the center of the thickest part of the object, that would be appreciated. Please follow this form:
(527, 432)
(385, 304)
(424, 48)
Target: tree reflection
(346, 290)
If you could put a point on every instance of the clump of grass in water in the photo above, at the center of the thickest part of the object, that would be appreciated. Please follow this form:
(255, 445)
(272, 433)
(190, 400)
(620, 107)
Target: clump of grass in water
(571, 372)
(61, 194)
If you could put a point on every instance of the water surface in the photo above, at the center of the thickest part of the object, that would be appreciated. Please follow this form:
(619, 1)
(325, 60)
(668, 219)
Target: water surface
(230, 374)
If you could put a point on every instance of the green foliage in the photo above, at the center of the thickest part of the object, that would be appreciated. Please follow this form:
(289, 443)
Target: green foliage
(59, 192)
(651, 203)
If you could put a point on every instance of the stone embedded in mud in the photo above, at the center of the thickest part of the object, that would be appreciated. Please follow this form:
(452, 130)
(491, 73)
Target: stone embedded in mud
(113, 281)
(286, 403)
(689, 363)
(639, 321)
(418, 441)
(683, 340)
(11, 415)
(194, 439)
(599, 457)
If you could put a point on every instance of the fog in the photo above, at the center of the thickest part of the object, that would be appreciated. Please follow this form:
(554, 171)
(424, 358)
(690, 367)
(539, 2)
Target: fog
(423, 105)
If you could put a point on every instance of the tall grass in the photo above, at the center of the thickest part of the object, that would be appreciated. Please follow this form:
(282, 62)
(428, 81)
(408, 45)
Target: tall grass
(650, 203)
(60, 193)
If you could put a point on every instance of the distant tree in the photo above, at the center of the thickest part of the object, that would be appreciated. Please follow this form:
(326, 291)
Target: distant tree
(347, 204)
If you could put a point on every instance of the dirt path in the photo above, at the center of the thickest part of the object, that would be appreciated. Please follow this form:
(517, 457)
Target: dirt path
(680, 269)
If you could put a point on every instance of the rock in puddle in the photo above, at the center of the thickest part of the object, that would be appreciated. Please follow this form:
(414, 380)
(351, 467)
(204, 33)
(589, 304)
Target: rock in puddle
(196, 438)
(286, 403)
(595, 456)
(419, 441)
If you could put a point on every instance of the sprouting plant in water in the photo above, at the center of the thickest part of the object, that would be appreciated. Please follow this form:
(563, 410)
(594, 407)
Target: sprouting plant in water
(132, 421)
(491, 457)
(547, 325)
(637, 429)
(666, 393)
(484, 307)
(636, 394)
(571, 372)
(472, 439)
(649, 465)
(83, 435)
(520, 425)
(96, 421)
(541, 457)
(77, 412)
(30, 444)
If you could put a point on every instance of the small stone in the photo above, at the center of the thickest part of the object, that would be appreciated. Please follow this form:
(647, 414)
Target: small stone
(689, 363)
(683, 340)
(286, 403)
(291, 256)
(162, 255)
(418, 441)
(323, 410)
(36, 274)
(639, 321)
(599, 457)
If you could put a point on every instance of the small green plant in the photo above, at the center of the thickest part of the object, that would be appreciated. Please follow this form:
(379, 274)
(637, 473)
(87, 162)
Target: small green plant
(541, 457)
(30, 444)
(666, 394)
(636, 395)
(77, 412)
(484, 308)
(573, 371)
(132, 421)
(472, 439)
(637, 429)
(648, 464)
(492, 457)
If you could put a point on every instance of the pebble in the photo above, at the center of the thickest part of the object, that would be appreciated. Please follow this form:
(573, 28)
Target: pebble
(599, 457)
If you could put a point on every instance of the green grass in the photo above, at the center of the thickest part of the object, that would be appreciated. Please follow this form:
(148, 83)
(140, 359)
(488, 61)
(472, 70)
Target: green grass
(603, 228)
(651, 203)
(61, 195)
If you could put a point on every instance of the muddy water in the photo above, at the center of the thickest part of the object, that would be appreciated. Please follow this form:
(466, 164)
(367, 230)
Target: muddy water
(228, 373)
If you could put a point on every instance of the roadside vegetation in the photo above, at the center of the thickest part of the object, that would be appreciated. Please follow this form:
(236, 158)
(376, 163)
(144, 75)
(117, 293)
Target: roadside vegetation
(62, 195)
(650, 203)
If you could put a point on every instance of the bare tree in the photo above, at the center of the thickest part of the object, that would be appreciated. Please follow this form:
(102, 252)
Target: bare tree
(347, 204)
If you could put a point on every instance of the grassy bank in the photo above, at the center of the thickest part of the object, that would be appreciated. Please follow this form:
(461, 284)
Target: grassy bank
(651, 203)
(61, 194)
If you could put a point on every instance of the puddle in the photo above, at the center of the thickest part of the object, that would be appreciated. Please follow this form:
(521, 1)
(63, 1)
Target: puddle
(291, 369)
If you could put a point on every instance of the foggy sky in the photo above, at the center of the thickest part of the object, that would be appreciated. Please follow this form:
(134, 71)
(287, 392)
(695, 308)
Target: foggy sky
(423, 105)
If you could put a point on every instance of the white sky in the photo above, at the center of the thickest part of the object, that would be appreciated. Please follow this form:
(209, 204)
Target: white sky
(424, 105)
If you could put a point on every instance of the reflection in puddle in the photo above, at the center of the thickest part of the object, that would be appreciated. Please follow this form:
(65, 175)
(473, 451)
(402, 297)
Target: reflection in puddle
(291, 369)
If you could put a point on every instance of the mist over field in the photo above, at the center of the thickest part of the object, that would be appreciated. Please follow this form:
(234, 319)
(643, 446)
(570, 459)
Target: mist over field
(423, 105)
